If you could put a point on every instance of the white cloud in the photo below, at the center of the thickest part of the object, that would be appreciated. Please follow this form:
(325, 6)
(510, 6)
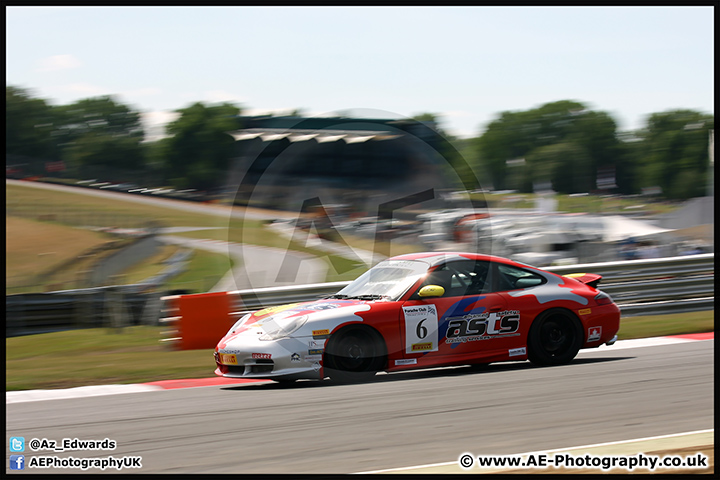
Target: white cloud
(87, 89)
(457, 113)
(154, 124)
(82, 90)
(157, 118)
(58, 62)
(142, 92)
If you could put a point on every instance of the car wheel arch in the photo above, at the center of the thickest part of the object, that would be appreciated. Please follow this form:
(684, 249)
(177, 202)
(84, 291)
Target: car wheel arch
(355, 329)
(539, 355)
(343, 329)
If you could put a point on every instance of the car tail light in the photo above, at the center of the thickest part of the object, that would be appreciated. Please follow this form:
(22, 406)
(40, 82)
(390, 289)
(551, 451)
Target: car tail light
(603, 298)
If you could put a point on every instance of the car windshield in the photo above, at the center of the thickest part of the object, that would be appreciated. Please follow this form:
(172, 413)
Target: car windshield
(388, 279)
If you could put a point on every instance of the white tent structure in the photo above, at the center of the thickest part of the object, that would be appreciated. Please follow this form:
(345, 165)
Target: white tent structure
(619, 228)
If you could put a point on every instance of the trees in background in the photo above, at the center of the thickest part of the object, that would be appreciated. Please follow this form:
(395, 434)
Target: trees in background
(91, 135)
(103, 138)
(576, 150)
(98, 133)
(674, 153)
(28, 125)
(563, 145)
(198, 152)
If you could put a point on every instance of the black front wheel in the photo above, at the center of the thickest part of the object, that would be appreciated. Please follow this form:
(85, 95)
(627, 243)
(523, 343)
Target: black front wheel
(555, 338)
(354, 355)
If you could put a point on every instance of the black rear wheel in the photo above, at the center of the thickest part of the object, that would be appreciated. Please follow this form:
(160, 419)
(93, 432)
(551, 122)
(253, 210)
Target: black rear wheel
(354, 354)
(555, 338)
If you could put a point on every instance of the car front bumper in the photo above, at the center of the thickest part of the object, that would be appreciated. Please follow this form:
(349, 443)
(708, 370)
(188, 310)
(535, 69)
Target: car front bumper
(286, 358)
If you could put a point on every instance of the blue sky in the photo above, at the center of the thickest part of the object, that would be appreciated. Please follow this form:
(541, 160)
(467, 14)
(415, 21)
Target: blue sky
(466, 64)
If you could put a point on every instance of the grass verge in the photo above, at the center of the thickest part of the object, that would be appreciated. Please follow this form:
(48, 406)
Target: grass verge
(66, 209)
(204, 270)
(136, 355)
(668, 324)
(36, 253)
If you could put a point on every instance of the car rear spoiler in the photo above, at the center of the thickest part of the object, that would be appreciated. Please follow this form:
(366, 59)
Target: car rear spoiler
(590, 279)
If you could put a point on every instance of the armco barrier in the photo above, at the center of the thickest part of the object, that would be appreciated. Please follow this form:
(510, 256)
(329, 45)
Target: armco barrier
(139, 304)
(639, 287)
(114, 306)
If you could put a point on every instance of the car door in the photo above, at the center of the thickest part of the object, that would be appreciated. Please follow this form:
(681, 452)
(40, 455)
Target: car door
(468, 321)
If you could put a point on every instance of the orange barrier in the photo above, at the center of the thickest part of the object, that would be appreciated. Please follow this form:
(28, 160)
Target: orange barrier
(203, 319)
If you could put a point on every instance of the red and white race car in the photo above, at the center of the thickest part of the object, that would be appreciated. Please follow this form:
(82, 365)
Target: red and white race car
(424, 310)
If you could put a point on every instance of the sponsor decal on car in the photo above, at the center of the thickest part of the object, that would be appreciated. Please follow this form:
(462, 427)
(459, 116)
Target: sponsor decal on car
(482, 326)
(316, 366)
(406, 361)
(277, 309)
(320, 333)
(585, 311)
(594, 334)
(552, 291)
(515, 352)
(228, 359)
(313, 358)
(323, 306)
(316, 343)
(315, 351)
(295, 357)
(421, 328)
(262, 355)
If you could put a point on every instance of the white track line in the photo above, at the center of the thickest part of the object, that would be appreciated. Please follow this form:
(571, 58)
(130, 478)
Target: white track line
(77, 392)
(639, 342)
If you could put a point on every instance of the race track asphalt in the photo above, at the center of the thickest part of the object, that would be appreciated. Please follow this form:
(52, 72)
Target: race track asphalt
(397, 420)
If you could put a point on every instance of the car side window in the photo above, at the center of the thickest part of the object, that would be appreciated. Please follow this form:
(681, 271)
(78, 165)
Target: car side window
(462, 277)
(513, 278)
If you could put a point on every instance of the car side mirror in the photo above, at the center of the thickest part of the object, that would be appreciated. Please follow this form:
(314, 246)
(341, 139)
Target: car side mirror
(429, 291)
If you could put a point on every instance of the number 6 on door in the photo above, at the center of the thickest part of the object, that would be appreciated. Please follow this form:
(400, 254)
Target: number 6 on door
(421, 329)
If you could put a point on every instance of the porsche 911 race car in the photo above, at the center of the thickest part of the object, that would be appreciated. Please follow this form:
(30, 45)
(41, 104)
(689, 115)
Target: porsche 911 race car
(424, 310)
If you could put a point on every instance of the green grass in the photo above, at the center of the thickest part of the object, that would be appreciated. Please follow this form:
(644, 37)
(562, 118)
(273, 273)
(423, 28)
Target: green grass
(136, 355)
(99, 357)
(204, 270)
(150, 266)
(76, 209)
(71, 209)
(669, 324)
(594, 204)
(37, 253)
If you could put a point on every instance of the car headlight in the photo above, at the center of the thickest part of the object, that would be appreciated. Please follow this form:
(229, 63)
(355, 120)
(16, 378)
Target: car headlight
(282, 328)
(238, 323)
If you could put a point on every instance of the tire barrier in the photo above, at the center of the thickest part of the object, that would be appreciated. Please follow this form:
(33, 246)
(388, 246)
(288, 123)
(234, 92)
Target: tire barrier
(198, 320)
